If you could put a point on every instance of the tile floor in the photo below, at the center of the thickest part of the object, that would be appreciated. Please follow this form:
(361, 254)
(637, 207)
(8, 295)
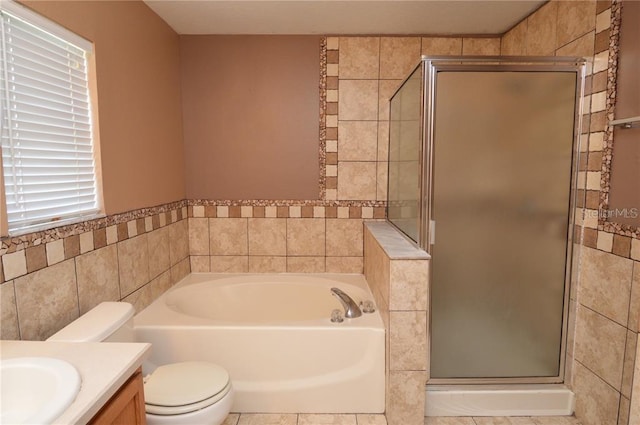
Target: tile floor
(310, 419)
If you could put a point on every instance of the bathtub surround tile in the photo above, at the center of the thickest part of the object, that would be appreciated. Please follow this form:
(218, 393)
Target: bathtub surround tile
(267, 236)
(605, 284)
(86, 242)
(9, 327)
(596, 402)
(629, 363)
(268, 419)
(406, 398)
(359, 57)
(229, 264)
(634, 414)
(55, 253)
(99, 238)
(264, 264)
(305, 237)
(326, 419)
(228, 236)
(14, 264)
(371, 419)
(605, 359)
(180, 270)
(344, 237)
(200, 263)
(358, 100)
(36, 257)
(198, 236)
(178, 241)
(133, 261)
(47, 300)
(344, 264)
(144, 296)
(408, 340)
(624, 410)
(158, 243)
(398, 56)
(97, 275)
(633, 322)
(305, 264)
(442, 46)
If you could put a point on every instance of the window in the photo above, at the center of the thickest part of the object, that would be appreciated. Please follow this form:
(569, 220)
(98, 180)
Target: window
(48, 160)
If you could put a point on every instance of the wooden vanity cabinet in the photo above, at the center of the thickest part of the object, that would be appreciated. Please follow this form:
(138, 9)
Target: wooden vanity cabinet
(126, 407)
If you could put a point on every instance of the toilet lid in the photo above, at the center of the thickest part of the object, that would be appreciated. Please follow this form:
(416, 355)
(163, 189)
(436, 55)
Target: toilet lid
(187, 408)
(179, 384)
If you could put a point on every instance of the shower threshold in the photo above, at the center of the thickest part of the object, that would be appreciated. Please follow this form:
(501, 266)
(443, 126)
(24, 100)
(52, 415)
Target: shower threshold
(499, 400)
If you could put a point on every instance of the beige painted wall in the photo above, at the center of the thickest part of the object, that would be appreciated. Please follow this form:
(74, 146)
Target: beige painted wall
(138, 75)
(250, 111)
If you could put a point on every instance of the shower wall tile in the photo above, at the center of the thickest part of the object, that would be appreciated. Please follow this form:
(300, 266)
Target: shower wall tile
(386, 89)
(481, 46)
(583, 46)
(541, 30)
(359, 58)
(198, 236)
(596, 402)
(229, 264)
(442, 46)
(228, 236)
(408, 289)
(265, 264)
(97, 274)
(629, 363)
(604, 359)
(406, 398)
(575, 18)
(267, 236)
(159, 261)
(46, 300)
(383, 141)
(305, 237)
(305, 264)
(634, 414)
(133, 263)
(376, 268)
(358, 100)
(398, 56)
(358, 140)
(634, 304)
(514, 42)
(605, 284)
(408, 340)
(357, 180)
(9, 327)
(623, 412)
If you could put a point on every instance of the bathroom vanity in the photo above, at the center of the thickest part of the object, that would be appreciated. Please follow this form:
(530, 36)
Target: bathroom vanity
(111, 387)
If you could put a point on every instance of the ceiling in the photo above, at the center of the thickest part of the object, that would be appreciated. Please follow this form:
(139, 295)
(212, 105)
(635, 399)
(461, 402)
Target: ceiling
(329, 17)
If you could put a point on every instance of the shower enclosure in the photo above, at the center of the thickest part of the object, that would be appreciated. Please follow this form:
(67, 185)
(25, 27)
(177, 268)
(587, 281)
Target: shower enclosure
(482, 175)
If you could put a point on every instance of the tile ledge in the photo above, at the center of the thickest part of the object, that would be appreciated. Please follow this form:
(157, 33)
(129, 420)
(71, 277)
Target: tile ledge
(396, 245)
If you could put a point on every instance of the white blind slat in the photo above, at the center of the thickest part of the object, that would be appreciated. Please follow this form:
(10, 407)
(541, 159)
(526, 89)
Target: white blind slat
(47, 147)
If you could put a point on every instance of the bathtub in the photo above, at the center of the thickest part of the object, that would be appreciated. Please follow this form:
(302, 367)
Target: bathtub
(273, 333)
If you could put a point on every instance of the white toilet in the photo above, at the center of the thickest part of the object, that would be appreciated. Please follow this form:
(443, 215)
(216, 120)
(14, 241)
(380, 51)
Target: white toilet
(177, 393)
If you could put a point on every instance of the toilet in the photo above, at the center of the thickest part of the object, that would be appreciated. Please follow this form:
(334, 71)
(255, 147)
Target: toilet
(191, 392)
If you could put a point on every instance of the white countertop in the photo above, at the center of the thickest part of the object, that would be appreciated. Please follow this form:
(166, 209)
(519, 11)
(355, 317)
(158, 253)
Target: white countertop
(103, 367)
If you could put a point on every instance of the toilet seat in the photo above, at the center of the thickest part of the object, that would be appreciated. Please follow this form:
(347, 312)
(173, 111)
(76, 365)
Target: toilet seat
(184, 387)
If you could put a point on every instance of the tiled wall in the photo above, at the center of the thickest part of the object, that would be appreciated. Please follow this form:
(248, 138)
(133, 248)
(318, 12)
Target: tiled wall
(606, 303)
(53, 277)
(398, 274)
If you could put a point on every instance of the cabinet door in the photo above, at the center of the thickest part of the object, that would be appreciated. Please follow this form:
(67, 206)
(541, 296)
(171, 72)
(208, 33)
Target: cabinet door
(126, 407)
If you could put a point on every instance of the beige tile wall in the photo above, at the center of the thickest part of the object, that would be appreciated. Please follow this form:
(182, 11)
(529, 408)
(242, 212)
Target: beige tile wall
(400, 284)
(606, 301)
(50, 284)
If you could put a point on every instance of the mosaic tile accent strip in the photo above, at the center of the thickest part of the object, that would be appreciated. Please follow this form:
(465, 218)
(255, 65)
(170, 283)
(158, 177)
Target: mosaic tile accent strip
(605, 183)
(323, 119)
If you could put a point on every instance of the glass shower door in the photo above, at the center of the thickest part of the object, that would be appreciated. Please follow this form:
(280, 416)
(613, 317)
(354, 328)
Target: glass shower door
(502, 172)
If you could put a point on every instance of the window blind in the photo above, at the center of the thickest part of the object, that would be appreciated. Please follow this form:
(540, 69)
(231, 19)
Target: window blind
(47, 146)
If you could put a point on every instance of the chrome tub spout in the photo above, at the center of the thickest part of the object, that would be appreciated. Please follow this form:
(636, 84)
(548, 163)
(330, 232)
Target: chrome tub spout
(351, 309)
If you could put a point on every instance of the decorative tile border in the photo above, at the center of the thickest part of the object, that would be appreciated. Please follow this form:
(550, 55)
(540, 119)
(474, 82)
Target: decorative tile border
(605, 183)
(323, 120)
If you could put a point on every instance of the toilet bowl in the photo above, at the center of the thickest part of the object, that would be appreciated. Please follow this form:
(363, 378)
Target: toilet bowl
(177, 393)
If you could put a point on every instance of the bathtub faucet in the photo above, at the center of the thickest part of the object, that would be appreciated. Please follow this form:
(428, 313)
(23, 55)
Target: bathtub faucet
(351, 309)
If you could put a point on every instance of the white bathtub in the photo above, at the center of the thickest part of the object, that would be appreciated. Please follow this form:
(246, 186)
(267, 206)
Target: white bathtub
(273, 333)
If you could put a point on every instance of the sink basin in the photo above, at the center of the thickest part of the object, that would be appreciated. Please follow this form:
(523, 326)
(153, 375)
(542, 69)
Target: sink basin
(36, 390)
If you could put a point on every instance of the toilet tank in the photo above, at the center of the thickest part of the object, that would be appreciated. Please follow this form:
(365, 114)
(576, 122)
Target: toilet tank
(106, 322)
